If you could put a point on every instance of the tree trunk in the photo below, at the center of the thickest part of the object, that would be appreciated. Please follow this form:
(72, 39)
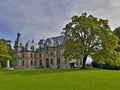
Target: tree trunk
(2, 65)
(84, 61)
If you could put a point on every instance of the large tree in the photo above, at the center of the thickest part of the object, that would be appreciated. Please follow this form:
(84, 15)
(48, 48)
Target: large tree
(88, 35)
(6, 51)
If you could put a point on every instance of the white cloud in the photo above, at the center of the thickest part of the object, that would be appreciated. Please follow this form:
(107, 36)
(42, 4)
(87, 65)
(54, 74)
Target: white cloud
(46, 18)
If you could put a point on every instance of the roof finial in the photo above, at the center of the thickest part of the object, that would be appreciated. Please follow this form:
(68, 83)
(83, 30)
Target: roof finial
(18, 30)
(32, 39)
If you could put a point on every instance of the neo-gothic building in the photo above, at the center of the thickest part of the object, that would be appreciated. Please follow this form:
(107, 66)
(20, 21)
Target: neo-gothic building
(46, 53)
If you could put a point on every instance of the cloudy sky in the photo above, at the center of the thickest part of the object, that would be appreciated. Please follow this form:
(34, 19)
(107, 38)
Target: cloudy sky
(40, 19)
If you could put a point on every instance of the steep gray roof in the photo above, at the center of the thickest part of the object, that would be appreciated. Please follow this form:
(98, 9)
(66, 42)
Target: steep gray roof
(49, 42)
(52, 42)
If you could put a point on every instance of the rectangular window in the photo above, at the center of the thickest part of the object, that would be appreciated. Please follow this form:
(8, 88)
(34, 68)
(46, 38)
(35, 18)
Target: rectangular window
(40, 55)
(22, 63)
(47, 53)
(51, 53)
(35, 55)
(41, 63)
(51, 61)
(31, 55)
(23, 55)
(31, 62)
(65, 61)
(35, 62)
(58, 53)
(16, 63)
(58, 61)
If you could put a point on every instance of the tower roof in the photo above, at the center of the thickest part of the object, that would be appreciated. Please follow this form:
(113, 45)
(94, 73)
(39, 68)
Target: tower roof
(18, 41)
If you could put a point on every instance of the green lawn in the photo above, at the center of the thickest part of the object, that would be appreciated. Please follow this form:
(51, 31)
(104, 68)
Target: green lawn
(60, 79)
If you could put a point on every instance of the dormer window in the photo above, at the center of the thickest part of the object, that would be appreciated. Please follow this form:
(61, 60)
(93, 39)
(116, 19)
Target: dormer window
(32, 48)
(58, 42)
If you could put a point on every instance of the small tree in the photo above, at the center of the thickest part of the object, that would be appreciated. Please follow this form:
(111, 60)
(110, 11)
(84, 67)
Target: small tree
(6, 51)
(88, 35)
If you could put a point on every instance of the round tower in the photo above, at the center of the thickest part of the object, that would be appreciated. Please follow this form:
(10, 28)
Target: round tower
(18, 48)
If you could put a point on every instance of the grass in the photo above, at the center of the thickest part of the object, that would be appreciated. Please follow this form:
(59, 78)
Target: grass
(60, 79)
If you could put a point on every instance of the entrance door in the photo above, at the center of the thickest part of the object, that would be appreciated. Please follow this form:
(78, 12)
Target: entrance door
(47, 63)
(72, 65)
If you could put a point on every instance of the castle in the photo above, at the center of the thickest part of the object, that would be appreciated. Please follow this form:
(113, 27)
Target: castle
(46, 53)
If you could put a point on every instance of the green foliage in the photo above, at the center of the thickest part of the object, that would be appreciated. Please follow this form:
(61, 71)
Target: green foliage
(105, 66)
(6, 51)
(88, 35)
(117, 32)
(60, 80)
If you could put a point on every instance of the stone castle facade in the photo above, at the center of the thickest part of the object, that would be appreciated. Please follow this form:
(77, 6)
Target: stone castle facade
(46, 53)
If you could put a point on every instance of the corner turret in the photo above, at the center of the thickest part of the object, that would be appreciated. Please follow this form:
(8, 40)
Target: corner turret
(18, 48)
(18, 41)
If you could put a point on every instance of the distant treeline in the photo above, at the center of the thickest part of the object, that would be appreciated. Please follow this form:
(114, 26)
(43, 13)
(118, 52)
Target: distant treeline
(105, 66)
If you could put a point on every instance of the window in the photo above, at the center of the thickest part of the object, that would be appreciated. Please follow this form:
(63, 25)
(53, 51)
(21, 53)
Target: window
(40, 55)
(35, 62)
(31, 55)
(58, 60)
(23, 55)
(51, 53)
(47, 53)
(58, 53)
(35, 55)
(22, 63)
(16, 63)
(31, 62)
(51, 61)
(65, 61)
(41, 63)
(32, 48)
